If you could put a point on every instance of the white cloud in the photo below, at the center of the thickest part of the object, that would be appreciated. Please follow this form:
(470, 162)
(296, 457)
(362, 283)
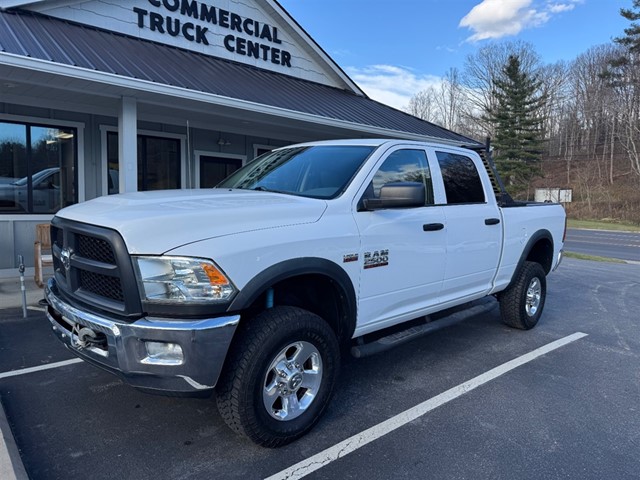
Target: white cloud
(502, 18)
(391, 84)
(561, 7)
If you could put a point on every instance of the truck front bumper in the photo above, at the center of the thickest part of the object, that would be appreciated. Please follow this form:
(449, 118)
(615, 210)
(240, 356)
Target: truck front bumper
(158, 355)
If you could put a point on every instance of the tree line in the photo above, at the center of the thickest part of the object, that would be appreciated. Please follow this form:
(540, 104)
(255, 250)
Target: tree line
(563, 125)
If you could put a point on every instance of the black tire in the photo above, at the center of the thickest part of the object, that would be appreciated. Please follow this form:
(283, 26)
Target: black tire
(521, 304)
(241, 393)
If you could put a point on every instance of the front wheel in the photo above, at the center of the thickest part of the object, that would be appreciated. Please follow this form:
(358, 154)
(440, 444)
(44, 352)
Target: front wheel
(521, 304)
(279, 376)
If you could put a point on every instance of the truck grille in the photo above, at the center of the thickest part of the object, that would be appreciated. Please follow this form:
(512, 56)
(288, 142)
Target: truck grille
(92, 267)
(95, 249)
(102, 285)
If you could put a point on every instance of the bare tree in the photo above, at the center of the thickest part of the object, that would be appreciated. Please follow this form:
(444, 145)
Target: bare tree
(422, 105)
(554, 80)
(449, 99)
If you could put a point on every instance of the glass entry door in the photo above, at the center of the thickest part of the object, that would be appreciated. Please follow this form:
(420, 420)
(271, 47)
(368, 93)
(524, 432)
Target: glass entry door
(215, 169)
(158, 163)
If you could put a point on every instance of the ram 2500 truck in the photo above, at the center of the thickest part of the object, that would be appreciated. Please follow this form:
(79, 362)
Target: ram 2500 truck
(256, 287)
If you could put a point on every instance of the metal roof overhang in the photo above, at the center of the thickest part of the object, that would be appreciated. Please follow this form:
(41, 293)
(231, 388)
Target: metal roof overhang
(35, 68)
(39, 83)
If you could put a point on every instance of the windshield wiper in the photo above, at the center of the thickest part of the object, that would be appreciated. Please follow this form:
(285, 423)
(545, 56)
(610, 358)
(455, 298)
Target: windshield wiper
(261, 188)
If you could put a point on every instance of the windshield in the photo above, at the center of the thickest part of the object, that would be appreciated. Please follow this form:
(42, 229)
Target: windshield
(322, 171)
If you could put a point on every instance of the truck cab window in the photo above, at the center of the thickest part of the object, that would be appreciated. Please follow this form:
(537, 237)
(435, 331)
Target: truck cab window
(403, 166)
(461, 179)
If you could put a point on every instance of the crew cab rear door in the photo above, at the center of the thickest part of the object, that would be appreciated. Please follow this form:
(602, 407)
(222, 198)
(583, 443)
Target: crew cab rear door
(473, 225)
(402, 249)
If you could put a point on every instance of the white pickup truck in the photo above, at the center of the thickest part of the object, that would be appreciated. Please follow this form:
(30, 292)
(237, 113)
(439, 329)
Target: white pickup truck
(256, 288)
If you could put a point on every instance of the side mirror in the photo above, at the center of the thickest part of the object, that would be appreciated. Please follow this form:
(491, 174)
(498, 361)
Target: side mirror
(397, 195)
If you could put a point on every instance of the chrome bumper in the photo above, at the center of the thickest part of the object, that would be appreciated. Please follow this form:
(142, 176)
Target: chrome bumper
(558, 260)
(122, 349)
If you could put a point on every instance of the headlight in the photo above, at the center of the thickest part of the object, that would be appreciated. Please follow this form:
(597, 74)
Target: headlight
(182, 280)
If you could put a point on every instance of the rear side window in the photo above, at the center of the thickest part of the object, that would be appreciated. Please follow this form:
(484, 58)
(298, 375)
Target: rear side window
(462, 182)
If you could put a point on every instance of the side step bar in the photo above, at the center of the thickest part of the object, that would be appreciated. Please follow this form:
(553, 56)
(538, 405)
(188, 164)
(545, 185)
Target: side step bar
(433, 323)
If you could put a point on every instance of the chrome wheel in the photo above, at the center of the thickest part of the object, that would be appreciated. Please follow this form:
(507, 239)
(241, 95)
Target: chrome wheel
(534, 295)
(292, 381)
(521, 304)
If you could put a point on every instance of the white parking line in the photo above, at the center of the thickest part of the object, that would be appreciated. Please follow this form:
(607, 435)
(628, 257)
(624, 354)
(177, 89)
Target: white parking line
(353, 443)
(48, 366)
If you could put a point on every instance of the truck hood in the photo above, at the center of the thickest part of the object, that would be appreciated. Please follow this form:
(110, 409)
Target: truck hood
(158, 221)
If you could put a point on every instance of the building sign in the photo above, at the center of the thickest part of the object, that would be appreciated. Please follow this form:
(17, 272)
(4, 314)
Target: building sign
(253, 32)
(195, 22)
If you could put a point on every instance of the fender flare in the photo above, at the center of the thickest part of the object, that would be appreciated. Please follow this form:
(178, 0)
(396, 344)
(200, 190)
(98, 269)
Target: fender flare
(535, 238)
(295, 267)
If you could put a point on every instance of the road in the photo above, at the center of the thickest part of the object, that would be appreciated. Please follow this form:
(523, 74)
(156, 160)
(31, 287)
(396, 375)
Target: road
(620, 245)
(570, 413)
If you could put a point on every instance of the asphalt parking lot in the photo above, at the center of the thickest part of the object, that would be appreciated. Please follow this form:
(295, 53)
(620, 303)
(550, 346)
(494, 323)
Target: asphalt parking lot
(573, 412)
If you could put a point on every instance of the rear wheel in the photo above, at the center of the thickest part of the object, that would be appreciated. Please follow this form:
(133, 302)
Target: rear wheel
(279, 376)
(521, 304)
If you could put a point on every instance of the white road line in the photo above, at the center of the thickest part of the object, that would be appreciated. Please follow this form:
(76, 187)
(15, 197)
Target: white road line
(353, 443)
(48, 366)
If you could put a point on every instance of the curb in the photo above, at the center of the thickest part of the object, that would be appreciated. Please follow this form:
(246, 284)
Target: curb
(11, 466)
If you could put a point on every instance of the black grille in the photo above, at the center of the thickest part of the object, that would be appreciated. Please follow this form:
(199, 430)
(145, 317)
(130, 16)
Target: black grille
(57, 236)
(102, 285)
(95, 249)
(100, 273)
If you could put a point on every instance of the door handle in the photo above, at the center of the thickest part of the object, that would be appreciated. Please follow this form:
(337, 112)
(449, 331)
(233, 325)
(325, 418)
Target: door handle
(491, 221)
(432, 227)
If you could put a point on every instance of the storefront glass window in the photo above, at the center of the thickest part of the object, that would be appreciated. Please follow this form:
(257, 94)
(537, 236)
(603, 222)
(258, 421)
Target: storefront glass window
(158, 163)
(37, 168)
(215, 169)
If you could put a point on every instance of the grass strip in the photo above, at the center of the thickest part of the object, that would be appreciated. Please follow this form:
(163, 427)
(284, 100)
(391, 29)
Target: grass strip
(593, 258)
(601, 225)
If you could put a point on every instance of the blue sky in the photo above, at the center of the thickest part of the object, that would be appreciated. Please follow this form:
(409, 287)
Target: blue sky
(395, 48)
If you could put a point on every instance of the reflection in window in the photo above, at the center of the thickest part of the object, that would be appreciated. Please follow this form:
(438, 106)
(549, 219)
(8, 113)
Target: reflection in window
(37, 168)
(403, 166)
(462, 182)
(321, 171)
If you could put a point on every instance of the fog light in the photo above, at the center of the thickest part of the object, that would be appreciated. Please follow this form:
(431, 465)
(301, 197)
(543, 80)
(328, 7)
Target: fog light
(161, 353)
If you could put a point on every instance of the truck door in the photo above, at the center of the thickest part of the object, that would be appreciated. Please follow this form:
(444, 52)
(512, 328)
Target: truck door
(402, 249)
(473, 226)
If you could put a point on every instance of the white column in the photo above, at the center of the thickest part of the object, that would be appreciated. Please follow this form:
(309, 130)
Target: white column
(128, 145)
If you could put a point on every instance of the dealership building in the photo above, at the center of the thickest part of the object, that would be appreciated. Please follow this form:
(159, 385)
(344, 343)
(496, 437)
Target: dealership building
(105, 96)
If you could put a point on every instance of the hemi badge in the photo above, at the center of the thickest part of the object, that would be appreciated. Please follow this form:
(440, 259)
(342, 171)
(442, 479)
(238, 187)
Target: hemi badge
(351, 257)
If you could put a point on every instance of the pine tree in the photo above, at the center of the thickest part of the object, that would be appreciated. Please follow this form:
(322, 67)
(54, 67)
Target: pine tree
(624, 69)
(631, 40)
(517, 122)
(623, 76)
